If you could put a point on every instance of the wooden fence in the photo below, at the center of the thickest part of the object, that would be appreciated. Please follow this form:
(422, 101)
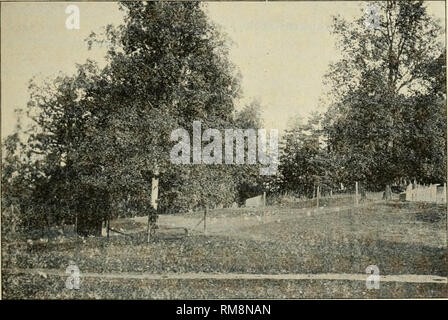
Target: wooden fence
(426, 193)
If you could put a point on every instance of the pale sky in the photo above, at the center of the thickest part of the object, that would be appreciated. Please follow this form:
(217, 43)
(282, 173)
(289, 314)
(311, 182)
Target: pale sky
(281, 49)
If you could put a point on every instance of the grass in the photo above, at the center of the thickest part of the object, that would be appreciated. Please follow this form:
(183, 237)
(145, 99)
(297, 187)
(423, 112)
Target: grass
(53, 288)
(398, 238)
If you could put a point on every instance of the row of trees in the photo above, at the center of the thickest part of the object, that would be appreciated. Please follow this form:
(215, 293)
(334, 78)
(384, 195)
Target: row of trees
(386, 121)
(99, 136)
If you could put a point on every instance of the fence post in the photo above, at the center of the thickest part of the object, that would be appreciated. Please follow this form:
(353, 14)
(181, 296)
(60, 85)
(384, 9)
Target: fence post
(356, 193)
(205, 216)
(318, 196)
(444, 192)
(76, 222)
(154, 198)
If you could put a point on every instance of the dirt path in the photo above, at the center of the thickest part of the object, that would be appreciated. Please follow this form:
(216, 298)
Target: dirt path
(408, 278)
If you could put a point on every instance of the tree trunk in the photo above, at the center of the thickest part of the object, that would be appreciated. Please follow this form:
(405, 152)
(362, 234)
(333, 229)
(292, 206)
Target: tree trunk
(205, 217)
(387, 195)
(93, 205)
(89, 224)
(108, 226)
(363, 194)
(152, 214)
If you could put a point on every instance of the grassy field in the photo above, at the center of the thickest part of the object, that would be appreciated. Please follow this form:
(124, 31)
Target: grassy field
(400, 238)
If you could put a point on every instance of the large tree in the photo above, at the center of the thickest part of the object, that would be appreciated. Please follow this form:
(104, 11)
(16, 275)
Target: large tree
(378, 87)
(103, 133)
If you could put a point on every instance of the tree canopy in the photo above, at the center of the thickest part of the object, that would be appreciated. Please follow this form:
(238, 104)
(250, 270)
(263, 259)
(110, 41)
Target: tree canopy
(388, 96)
(100, 135)
(386, 116)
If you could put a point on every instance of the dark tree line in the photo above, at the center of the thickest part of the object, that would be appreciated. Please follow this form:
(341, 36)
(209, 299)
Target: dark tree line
(386, 121)
(99, 136)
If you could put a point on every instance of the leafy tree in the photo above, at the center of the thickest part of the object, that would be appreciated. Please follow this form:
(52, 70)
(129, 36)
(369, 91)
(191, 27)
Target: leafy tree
(425, 136)
(249, 182)
(102, 134)
(376, 87)
(305, 162)
(16, 178)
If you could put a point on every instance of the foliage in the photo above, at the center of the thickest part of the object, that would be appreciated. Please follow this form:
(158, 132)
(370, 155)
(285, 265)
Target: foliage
(304, 159)
(103, 133)
(388, 91)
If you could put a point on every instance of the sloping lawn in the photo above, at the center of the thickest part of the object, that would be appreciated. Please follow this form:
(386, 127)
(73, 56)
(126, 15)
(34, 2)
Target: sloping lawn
(398, 238)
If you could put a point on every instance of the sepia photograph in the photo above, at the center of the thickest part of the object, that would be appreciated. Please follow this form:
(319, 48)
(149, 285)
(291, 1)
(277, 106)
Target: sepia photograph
(219, 150)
